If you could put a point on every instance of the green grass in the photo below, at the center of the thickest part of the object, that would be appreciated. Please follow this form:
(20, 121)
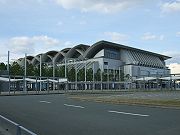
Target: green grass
(175, 103)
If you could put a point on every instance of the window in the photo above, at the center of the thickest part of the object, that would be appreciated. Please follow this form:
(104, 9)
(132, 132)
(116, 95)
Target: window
(105, 63)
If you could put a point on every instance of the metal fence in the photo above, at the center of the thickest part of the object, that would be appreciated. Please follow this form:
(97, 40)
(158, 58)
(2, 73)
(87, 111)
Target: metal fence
(14, 128)
(54, 85)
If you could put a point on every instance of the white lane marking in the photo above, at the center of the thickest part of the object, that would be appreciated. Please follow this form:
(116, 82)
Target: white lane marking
(134, 114)
(45, 102)
(74, 106)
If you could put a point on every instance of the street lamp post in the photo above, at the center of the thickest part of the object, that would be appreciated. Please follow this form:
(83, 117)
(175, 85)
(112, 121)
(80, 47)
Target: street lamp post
(25, 72)
(108, 75)
(40, 70)
(53, 73)
(93, 76)
(76, 73)
(65, 68)
(8, 69)
(102, 68)
(85, 75)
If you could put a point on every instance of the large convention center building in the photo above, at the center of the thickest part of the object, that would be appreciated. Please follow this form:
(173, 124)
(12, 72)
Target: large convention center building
(106, 55)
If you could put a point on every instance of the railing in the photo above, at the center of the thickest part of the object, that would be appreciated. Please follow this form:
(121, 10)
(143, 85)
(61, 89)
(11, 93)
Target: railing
(14, 128)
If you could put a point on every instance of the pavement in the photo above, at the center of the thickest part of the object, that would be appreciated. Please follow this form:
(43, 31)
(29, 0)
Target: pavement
(59, 115)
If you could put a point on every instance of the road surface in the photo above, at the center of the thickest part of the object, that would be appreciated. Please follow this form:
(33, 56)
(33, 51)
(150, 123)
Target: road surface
(59, 115)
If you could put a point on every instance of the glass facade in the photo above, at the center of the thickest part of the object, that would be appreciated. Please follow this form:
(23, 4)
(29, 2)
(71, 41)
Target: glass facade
(112, 54)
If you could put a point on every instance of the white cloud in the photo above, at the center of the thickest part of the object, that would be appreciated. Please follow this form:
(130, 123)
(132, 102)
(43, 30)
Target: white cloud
(115, 36)
(175, 68)
(59, 23)
(82, 22)
(150, 36)
(161, 37)
(175, 57)
(34, 45)
(68, 44)
(18, 46)
(26, 44)
(169, 7)
(103, 6)
(178, 34)
(45, 40)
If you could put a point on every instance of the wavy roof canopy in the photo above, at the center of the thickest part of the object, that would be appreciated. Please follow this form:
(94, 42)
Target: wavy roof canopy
(77, 51)
(82, 51)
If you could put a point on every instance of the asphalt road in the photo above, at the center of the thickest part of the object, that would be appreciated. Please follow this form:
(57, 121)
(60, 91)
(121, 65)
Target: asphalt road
(59, 115)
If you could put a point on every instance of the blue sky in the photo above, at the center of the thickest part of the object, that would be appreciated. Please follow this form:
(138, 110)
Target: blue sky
(34, 26)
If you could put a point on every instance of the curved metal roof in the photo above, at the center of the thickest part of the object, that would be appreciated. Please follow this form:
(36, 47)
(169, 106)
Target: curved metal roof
(77, 51)
(65, 50)
(51, 53)
(59, 57)
(95, 48)
(29, 57)
(82, 51)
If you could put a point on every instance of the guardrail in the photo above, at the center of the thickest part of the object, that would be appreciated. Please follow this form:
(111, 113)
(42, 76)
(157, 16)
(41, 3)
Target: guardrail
(14, 128)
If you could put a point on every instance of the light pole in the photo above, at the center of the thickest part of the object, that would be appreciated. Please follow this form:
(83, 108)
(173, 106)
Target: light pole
(40, 66)
(85, 75)
(53, 73)
(108, 75)
(8, 69)
(93, 76)
(76, 73)
(65, 68)
(25, 72)
(102, 69)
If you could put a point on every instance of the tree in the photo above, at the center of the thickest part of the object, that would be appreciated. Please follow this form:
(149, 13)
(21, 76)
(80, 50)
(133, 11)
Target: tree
(98, 75)
(3, 66)
(122, 76)
(81, 74)
(30, 70)
(89, 74)
(71, 74)
(16, 69)
(60, 72)
(127, 77)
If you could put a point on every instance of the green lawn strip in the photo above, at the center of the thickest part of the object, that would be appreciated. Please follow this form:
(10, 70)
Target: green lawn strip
(152, 102)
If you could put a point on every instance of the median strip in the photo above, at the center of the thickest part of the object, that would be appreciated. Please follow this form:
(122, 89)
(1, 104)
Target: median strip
(126, 113)
(74, 106)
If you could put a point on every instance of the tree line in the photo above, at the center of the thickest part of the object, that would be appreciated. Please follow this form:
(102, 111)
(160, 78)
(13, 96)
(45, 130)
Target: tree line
(47, 71)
